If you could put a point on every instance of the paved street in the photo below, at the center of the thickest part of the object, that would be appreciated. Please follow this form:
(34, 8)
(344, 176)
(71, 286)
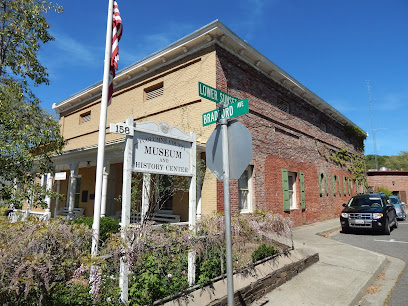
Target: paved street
(395, 245)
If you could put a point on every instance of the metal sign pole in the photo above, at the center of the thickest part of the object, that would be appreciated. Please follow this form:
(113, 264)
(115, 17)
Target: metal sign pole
(227, 211)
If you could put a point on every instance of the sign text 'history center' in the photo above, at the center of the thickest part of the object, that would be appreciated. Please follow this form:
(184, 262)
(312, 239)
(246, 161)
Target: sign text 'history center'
(156, 154)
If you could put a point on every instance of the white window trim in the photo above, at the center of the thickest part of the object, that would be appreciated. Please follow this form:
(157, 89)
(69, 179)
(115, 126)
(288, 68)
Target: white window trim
(249, 208)
(292, 191)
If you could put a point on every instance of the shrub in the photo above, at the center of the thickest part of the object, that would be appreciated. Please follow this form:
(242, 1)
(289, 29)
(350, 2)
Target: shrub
(264, 251)
(107, 226)
(48, 263)
(4, 210)
(77, 292)
(210, 264)
(71, 294)
(157, 276)
(384, 190)
(38, 255)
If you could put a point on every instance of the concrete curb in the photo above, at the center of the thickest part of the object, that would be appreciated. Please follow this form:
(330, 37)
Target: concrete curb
(251, 283)
(369, 282)
(383, 286)
(361, 294)
(341, 276)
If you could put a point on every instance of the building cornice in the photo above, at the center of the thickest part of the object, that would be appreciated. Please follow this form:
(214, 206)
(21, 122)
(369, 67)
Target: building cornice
(211, 34)
(388, 172)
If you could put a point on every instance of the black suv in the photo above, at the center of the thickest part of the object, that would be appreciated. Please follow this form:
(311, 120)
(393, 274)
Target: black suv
(369, 212)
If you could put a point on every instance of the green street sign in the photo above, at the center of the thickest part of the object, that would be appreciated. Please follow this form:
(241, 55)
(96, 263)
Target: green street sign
(215, 95)
(233, 110)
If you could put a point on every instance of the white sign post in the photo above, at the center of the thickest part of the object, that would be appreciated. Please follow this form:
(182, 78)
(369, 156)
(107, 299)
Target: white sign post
(160, 149)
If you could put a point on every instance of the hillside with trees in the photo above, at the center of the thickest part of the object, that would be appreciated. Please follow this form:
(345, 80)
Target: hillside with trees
(395, 162)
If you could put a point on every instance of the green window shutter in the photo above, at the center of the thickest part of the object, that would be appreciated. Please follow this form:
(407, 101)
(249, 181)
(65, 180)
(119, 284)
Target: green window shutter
(339, 186)
(285, 188)
(344, 186)
(320, 184)
(334, 185)
(302, 190)
(327, 185)
(347, 186)
(350, 185)
(356, 186)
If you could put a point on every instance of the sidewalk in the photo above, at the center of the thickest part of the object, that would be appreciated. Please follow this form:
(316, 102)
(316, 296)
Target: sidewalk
(340, 277)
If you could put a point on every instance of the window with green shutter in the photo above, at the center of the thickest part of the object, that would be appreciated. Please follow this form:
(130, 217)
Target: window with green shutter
(302, 190)
(320, 184)
(347, 186)
(285, 189)
(327, 185)
(334, 184)
(344, 185)
(339, 186)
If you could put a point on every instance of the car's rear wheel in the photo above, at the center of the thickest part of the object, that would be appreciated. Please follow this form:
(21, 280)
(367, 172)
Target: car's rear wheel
(387, 228)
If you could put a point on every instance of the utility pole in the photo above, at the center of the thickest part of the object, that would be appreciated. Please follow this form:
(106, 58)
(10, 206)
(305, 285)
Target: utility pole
(370, 101)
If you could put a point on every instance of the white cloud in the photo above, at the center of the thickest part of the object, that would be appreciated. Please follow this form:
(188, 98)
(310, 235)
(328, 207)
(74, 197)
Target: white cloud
(255, 13)
(392, 102)
(74, 51)
(65, 51)
(344, 106)
(134, 49)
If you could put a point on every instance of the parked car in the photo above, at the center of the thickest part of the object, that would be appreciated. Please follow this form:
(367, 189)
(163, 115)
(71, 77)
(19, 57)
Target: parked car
(369, 212)
(399, 208)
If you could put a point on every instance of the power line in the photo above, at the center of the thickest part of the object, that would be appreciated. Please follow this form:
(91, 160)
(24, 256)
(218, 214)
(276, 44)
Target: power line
(370, 101)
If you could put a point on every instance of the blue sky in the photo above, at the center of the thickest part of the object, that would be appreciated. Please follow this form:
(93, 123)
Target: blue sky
(333, 47)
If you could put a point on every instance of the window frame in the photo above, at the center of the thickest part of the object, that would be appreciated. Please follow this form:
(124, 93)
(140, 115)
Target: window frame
(249, 196)
(291, 200)
(292, 192)
(157, 89)
(84, 115)
(283, 106)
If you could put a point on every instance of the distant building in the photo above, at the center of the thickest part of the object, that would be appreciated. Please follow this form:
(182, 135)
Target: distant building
(302, 146)
(396, 181)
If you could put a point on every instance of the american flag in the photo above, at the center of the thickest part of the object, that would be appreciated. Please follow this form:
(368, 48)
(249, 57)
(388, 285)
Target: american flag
(116, 35)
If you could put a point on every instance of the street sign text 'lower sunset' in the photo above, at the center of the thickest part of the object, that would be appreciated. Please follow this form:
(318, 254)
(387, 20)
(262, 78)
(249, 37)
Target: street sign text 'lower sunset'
(215, 95)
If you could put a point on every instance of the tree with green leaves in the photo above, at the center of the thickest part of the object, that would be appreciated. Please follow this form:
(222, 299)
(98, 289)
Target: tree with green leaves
(29, 136)
(394, 162)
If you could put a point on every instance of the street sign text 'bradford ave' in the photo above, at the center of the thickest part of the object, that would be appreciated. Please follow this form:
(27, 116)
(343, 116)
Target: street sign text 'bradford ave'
(231, 111)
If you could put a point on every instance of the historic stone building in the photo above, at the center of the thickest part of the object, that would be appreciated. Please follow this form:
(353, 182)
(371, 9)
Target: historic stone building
(302, 146)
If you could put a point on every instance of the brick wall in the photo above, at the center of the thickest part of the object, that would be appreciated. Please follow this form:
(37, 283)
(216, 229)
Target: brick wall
(290, 140)
(396, 181)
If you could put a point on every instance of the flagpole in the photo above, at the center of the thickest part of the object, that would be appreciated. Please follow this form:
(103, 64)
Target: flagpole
(102, 134)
